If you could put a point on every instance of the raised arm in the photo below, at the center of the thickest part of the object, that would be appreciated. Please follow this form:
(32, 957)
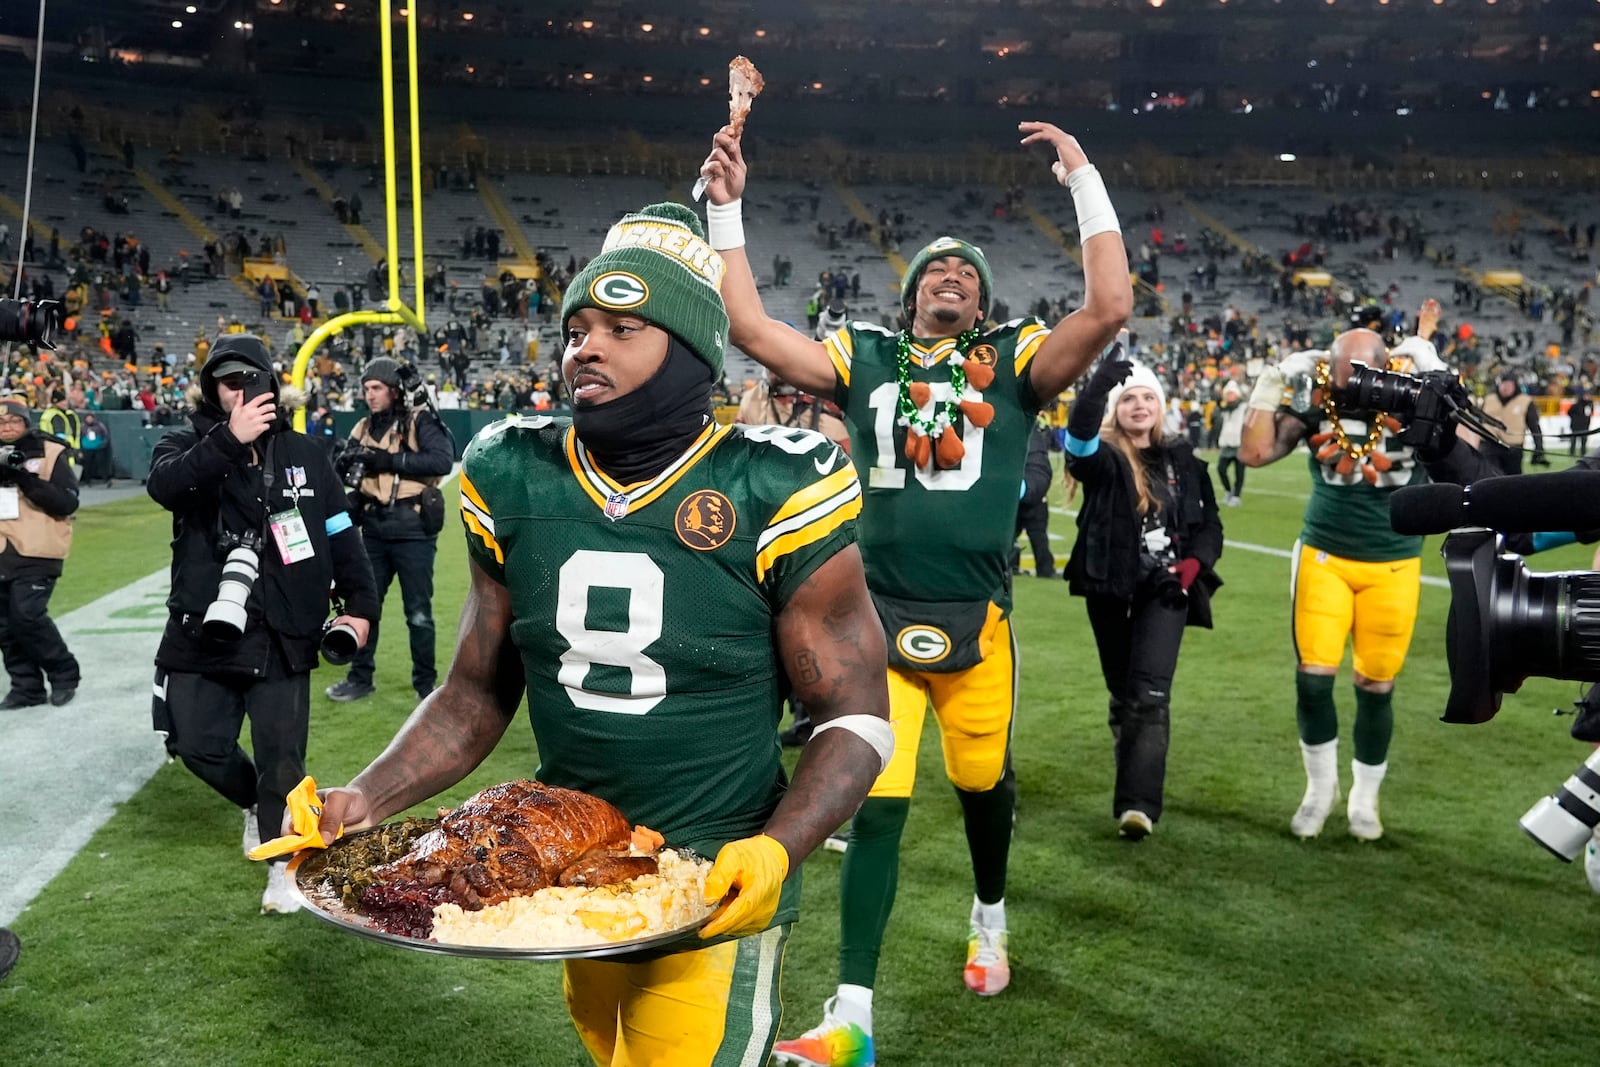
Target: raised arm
(831, 645)
(451, 731)
(1270, 432)
(1107, 293)
(779, 347)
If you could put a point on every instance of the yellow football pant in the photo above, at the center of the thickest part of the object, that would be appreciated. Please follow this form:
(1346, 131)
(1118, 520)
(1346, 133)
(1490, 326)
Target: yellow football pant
(1372, 605)
(711, 1007)
(974, 709)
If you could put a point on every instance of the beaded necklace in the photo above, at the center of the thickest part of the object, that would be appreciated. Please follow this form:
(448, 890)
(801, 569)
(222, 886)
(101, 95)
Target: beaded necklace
(1335, 447)
(909, 416)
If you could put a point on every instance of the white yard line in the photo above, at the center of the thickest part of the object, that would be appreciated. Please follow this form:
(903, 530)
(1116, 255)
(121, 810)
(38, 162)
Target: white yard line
(64, 770)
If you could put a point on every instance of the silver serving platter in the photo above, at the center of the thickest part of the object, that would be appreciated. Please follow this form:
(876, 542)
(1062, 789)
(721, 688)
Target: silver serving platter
(321, 902)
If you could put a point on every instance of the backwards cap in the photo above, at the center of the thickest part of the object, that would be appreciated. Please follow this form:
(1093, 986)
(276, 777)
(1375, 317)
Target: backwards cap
(938, 248)
(656, 264)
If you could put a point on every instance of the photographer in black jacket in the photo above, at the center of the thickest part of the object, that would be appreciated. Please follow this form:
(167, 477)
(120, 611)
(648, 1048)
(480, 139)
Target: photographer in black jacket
(1148, 537)
(38, 494)
(395, 459)
(241, 640)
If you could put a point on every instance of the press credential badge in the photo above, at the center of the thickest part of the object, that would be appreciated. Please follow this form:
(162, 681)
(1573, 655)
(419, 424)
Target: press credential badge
(289, 527)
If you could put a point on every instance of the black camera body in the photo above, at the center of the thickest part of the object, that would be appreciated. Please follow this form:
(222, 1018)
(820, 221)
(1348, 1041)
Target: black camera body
(30, 322)
(13, 456)
(1427, 405)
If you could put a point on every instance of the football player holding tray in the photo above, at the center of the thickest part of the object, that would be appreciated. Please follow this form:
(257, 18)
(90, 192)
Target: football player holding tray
(657, 583)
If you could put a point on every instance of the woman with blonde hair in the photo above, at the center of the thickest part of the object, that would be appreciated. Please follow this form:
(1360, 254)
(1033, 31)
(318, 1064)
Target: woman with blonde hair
(1148, 537)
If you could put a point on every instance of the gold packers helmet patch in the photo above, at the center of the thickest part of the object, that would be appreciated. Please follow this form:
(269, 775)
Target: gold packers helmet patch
(618, 290)
(705, 520)
(922, 643)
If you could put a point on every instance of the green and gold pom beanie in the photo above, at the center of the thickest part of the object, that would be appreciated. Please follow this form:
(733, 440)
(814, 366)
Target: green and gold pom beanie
(656, 264)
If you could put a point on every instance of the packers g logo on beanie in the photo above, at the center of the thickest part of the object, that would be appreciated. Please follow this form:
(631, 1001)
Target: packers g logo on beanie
(619, 291)
(656, 264)
(938, 248)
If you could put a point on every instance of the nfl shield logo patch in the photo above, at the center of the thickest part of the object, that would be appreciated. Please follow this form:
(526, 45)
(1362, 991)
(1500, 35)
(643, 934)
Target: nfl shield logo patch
(616, 506)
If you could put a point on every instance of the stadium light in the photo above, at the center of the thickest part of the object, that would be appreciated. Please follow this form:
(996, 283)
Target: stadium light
(177, 24)
(761, 33)
(1157, 3)
(647, 26)
(338, 7)
(588, 76)
(466, 16)
(1286, 157)
(649, 78)
(705, 31)
(816, 85)
(190, 9)
(587, 24)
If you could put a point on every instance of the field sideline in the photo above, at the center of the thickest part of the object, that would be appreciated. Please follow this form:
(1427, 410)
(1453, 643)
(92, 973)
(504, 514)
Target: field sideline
(1219, 941)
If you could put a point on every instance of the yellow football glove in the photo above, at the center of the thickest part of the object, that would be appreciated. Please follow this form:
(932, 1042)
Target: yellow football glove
(755, 867)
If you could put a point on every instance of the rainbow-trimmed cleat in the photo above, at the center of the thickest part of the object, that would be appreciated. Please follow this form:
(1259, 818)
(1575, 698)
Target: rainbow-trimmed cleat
(988, 969)
(831, 1043)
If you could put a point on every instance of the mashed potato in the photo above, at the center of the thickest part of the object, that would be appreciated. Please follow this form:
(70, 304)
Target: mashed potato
(574, 916)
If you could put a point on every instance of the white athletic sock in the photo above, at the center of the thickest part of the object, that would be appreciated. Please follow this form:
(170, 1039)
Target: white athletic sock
(1365, 780)
(989, 916)
(1322, 765)
(854, 1005)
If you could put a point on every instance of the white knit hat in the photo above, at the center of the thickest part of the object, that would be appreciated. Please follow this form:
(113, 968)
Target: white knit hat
(1141, 375)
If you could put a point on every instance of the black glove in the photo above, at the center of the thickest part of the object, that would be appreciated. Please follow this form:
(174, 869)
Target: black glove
(378, 460)
(8, 474)
(1111, 372)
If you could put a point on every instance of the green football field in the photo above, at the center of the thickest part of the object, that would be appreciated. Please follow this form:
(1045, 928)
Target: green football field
(1219, 941)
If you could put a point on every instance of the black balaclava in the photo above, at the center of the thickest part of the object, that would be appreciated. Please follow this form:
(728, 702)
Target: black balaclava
(635, 437)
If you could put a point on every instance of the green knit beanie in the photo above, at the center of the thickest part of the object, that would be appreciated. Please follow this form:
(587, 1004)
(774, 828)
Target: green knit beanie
(938, 248)
(656, 264)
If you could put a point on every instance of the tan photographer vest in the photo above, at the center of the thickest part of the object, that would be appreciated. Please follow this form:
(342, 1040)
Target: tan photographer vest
(386, 487)
(33, 533)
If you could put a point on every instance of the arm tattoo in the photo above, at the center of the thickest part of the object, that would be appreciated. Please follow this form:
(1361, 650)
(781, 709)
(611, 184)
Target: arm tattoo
(806, 671)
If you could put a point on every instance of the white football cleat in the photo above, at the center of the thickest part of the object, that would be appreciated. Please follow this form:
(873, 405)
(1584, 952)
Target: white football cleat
(1362, 810)
(279, 898)
(1322, 788)
(252, 830)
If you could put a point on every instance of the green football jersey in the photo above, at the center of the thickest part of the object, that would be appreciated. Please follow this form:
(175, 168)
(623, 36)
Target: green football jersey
(644, 614)
(938, 535)
(1348, 517)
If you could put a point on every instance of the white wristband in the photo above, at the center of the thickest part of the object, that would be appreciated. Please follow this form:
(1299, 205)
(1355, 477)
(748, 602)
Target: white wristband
(725, 225)
(871, 729)
(1268, 393)
(1089, 196)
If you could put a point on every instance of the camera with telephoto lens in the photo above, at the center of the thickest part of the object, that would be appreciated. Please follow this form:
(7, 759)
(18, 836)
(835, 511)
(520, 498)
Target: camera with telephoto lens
(31, 322)
(13, 457)
(226, 617)
(1427, 405)
(339, 642)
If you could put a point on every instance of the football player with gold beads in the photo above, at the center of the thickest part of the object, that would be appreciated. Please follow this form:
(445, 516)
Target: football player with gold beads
(1354, 580)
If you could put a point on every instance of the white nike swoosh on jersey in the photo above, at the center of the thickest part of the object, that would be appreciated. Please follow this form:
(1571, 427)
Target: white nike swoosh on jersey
(822, 465)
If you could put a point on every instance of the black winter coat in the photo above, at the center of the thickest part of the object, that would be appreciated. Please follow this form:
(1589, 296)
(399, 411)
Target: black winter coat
(205, 477)
(1105, 557)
